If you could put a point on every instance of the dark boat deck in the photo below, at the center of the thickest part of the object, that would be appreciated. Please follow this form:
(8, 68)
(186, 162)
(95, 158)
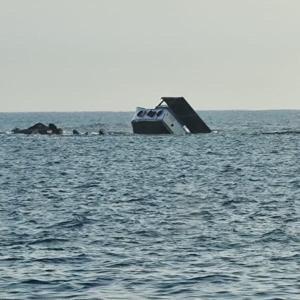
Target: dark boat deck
(185, 114)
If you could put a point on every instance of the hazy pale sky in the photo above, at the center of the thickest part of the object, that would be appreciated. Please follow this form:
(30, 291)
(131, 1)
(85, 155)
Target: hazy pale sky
(72, 55)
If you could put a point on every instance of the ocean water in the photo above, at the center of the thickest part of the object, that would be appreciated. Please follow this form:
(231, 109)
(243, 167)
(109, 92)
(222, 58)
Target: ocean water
(122, 216)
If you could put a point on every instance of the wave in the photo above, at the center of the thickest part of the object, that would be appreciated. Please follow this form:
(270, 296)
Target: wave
(35, 281)
(47, 241)
(76, 221)
(59, 260)
(285, 132)
(70, 134)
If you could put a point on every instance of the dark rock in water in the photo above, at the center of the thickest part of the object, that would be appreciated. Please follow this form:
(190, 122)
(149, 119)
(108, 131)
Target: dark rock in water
(101, 132)
(40, 128)
(75, 132)
(16, 130)
(54, 130)
(37, 128)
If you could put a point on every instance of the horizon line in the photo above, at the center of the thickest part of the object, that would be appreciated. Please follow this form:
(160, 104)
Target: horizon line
(131, 111)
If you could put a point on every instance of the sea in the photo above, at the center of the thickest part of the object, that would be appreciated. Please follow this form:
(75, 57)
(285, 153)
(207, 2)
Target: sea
(125, 216)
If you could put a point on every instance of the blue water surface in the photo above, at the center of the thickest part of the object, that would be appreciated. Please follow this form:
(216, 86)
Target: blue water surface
(123, 216)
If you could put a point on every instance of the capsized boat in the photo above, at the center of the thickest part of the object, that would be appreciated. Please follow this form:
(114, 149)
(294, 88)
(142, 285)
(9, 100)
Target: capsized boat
(173, 115)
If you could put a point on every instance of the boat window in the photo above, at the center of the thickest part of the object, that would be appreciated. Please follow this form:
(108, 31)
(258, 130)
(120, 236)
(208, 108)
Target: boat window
(141, 113)
(151, 113)
(160, 112)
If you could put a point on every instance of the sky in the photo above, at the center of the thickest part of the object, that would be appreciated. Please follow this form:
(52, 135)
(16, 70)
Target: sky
(114, 55)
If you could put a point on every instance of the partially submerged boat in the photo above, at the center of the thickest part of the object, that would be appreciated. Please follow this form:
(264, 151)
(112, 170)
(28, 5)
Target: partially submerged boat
(173, 115)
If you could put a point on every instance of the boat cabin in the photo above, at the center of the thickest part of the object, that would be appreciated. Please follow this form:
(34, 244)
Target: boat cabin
(173, 115)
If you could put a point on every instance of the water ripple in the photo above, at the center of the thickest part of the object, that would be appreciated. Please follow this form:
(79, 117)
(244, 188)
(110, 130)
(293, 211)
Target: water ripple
(151, 217)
